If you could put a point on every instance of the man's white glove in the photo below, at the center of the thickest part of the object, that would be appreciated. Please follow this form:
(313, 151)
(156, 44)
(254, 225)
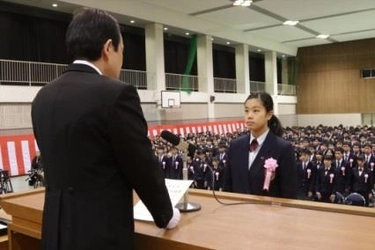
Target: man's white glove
(175, 219)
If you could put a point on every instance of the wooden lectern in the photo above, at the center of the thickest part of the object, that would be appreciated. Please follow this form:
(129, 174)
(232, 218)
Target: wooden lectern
(262, 223)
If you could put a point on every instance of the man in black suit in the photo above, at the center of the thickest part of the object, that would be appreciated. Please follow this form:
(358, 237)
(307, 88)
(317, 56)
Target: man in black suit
(92, 134)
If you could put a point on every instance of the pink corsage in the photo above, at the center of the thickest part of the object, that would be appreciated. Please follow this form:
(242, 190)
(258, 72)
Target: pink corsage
(176, 163)
(331, 178)
(372, 166)
(270, 165)
(366, 176)
(343, 171)
(192, 169)
(217, 176)
(163, 164)
(308, 173)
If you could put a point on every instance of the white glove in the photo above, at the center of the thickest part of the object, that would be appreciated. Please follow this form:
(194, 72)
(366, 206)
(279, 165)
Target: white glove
(175, 219)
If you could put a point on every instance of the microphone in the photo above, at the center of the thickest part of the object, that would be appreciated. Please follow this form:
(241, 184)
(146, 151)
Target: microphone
(189, 149)
(178, 143)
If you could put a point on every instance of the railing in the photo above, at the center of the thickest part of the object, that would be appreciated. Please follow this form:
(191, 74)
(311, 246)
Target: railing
(286, 89)
(181, 82)
(137, 78)
(24, 73)
(225, 85)
(257, 86)
(28, 73)
(282, 89)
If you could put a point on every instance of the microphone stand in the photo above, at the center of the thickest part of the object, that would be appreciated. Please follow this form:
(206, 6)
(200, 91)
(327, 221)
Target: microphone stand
(187, 206)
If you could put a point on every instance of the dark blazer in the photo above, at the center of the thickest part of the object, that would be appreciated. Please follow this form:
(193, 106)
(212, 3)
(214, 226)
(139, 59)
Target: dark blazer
(358, 182)
(176, 166)
(239, 179)
(93, 137)
(306, 182)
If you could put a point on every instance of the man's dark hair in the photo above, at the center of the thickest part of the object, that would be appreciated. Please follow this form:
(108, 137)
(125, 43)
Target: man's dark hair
(88, 32)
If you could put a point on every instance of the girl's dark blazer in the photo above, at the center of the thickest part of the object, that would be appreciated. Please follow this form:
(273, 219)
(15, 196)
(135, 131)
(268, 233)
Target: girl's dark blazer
(239, 179)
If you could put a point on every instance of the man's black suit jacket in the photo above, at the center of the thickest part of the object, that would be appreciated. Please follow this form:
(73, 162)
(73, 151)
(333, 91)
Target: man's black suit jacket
(93, 137)
(239, 179)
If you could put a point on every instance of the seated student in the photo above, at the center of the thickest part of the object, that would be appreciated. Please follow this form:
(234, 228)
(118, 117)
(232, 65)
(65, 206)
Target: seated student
(325, 181)
(215, 178)
(362, 179)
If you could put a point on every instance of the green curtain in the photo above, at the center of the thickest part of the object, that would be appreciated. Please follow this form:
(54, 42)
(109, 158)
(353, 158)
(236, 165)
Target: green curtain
(186, 85)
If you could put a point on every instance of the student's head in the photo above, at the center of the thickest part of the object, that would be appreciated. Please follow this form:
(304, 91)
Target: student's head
(201, 155)
(361, 160)
(356, 148)
(215, 161)
(305, 155)
(94, 35)
(327, 160)
(319, 156)
(259, 114)
(338, 153)
(222, 147)
(367, 149)
(346, 147)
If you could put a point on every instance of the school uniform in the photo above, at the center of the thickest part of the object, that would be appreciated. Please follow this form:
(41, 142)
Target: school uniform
(242, 177)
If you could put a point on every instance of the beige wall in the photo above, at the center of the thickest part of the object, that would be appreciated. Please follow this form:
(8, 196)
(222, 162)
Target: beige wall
(329, 80)
(15, 115)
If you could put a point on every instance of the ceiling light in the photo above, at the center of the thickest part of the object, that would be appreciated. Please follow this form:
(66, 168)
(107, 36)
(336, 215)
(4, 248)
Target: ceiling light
(228, 43)
(165, 28)
(259, 50)
(283, 56)
(187, 33)
(322, 36)
(55, 5)
(132, 21)
(244, 3)
(212, 39)
(290, 22)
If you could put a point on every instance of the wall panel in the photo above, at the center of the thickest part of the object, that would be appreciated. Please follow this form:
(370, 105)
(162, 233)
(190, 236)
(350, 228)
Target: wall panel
(329, 78)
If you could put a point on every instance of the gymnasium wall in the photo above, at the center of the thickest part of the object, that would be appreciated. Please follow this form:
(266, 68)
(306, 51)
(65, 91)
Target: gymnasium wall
(329, 80)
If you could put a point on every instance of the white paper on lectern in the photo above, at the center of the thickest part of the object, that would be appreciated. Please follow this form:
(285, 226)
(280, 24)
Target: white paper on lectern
(176, 190)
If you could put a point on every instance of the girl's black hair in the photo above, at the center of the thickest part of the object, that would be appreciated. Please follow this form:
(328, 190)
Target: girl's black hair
(274, 123)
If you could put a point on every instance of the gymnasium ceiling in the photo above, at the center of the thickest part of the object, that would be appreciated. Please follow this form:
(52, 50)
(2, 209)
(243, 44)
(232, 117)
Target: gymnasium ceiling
(260, 25)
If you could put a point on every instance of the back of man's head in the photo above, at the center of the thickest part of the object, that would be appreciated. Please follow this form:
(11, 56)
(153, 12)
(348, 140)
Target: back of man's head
(89, 30)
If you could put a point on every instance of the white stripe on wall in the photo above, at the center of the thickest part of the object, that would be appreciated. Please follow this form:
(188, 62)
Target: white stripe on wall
(1, 159)
(215, 129)
(12, 158)
(182, 131)
(26, 155)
